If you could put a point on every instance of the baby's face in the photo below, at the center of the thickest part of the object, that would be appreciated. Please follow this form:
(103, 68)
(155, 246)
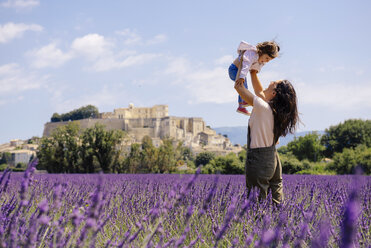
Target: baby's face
(264, 58)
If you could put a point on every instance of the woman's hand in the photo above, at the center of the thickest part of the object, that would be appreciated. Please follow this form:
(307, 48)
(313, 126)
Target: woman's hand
(243, 92)
(239, 82)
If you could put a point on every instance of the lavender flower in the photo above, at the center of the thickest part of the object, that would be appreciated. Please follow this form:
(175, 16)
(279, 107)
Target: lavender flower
(172, 210)
(227, 219)
(349, 224)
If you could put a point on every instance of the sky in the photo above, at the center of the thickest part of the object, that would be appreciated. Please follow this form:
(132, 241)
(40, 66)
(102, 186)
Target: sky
(57, 56)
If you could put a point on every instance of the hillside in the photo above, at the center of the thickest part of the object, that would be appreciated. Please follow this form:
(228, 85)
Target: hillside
(238, 135)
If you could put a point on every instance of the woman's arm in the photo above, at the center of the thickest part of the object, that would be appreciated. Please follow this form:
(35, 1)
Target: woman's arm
(258, 88)
(245, 94)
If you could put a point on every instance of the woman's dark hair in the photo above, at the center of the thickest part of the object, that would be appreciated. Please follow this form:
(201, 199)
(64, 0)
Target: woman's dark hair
(285, 111)
(271, 48)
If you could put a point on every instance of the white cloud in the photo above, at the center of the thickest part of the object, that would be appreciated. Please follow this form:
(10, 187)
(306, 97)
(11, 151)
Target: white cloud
(11, 30)
(332, 68)
(160, 38)
(20, 3)
(49, 56)
(8, 69)
(131, 37)
(137, 59)
(103, 98)
(338, 96)
(14, 79)
(100, 52)
(92, 46)
(204, 84)
(225, 60)
(178, 66)
(211, 85)
(110, 62)
(98, 49)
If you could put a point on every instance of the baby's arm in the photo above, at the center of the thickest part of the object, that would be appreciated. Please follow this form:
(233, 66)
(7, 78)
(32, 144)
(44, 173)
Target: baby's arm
(246, 64)
(258, 88)
(244, 69)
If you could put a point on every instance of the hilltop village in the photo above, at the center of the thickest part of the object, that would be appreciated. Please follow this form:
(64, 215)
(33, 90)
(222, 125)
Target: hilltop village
(156, 123)
(138, 122)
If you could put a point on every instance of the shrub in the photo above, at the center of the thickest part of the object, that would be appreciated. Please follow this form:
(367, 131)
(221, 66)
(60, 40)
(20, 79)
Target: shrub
(345, 162)
(3, 167)
(307, 147)
(290, 164)
(319, 168)
(204, 158)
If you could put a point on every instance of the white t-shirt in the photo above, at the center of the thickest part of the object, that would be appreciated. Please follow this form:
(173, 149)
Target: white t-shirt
(261, 124)
(250, 58)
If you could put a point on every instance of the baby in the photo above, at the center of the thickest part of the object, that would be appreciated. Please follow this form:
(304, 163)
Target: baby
(251, 58)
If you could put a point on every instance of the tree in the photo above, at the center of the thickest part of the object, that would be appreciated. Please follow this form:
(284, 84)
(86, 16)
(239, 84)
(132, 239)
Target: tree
(187, 154)
(66, 151)
(149, 155)
(88, 160)
(60, 152)
(307, 147)
(33, 140)
(85, 112)
(166, 162)
(291, 165)
(56, 118)
(183, 153)
(242, 155)
(349, 134)
(204, 158)
(133, 160)
(104, 146)
(6, 158)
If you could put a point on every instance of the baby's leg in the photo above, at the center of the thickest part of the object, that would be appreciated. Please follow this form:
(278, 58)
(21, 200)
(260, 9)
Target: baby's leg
(240, 100)
(232, 71)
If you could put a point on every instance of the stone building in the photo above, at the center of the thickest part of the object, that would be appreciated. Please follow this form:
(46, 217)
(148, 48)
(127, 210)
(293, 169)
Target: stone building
(156, 123)
(16, 142)
(22, 156)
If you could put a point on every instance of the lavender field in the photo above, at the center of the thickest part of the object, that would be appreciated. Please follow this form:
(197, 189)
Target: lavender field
(64, 210)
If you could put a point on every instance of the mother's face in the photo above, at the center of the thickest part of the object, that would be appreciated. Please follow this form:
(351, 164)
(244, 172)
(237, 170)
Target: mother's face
(270, 92)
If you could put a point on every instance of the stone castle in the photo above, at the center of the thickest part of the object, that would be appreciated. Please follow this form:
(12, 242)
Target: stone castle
(156, 123)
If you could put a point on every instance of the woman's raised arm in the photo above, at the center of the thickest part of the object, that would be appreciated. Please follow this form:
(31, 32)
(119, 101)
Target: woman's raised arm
(258, 88)
(245, 94)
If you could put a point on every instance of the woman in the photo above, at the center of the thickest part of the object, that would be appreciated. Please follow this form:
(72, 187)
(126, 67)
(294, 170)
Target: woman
(274, 114)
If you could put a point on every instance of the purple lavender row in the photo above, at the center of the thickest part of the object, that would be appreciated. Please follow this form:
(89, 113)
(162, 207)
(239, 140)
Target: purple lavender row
(55, 210)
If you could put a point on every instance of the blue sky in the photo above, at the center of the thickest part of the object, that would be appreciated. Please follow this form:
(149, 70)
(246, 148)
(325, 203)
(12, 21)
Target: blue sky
(57, 56)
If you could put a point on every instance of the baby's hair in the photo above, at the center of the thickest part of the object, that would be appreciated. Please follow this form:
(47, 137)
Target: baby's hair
(271, 48)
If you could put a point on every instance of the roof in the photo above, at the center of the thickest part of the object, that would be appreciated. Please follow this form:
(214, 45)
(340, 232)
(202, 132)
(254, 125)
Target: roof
(22, 151)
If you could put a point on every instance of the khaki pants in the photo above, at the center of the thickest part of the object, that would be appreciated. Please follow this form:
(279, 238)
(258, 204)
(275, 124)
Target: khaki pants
(264, 171)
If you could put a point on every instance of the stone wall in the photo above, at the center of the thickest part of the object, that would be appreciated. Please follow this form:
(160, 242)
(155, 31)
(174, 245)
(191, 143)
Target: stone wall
(157, 111)
(179, 128)
(110, 124)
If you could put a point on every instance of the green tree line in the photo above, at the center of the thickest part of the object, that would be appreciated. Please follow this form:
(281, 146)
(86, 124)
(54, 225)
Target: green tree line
(340, 150)
(68, 150)
(71, 150)
(88, 111)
